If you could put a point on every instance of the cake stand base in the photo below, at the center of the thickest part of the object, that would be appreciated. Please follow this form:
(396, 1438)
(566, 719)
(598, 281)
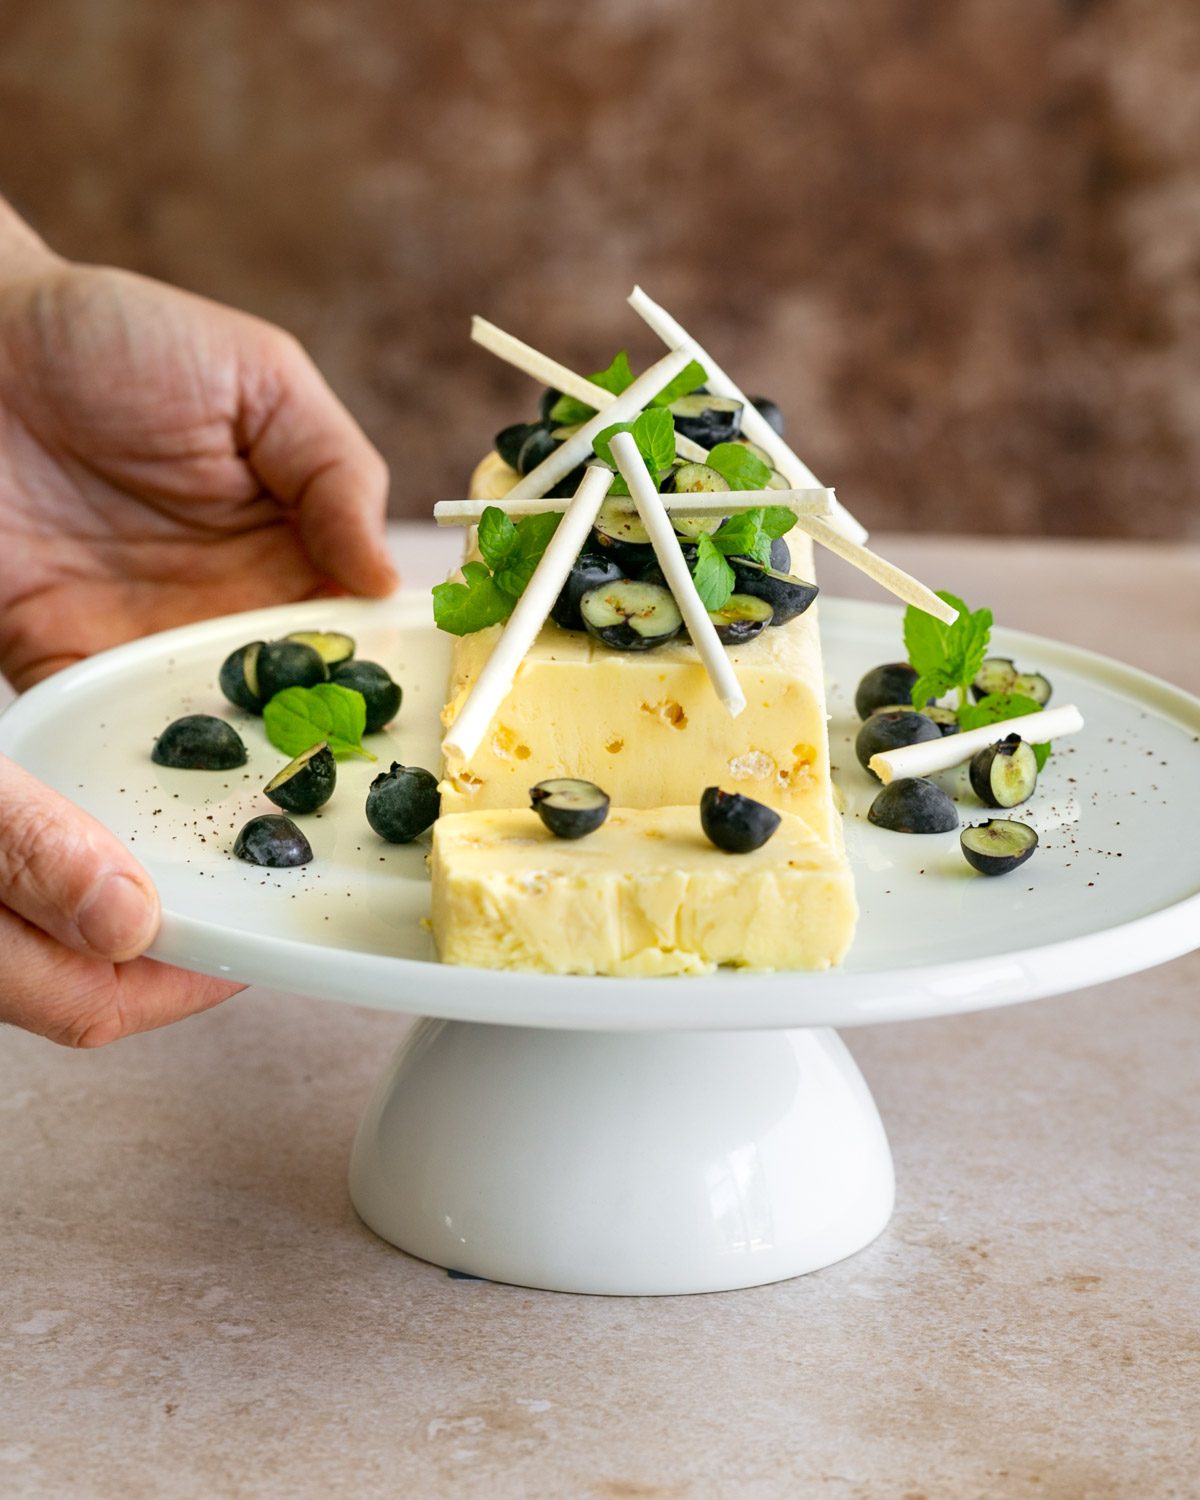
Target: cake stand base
(626, 1163)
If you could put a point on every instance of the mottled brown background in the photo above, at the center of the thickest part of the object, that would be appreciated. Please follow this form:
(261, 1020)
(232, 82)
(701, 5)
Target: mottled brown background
(957, 239)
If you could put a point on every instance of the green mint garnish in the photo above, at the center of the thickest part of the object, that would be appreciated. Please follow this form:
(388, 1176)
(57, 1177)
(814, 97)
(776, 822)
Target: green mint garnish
(711, 574)
(946, 657)
(299, 718)
(996, 708)
(653, 432)
(489, 590)
(616, 378)
(691, 376)
(742, 469)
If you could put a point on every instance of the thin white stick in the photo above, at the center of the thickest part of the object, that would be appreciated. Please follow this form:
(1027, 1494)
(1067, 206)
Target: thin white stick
(675, 569)
(930, 756)
(886, 574)
(492, 685)
(728, 503)
(895, 580)
(754, 425)
(539, 365)
(578, 449)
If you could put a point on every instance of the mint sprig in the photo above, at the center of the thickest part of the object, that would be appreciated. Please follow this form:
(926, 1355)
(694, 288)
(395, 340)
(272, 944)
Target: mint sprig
(747, 534)
(654, 433)
(299, 718)
(742, 469)
(616, 378)
(511, 551)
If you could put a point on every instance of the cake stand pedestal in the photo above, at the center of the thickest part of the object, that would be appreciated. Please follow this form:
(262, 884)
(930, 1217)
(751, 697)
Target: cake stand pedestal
(629, 1163)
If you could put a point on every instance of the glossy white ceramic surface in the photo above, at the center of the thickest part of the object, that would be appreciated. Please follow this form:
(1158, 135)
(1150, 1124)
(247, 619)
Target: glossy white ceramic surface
(623, 1163)
(1111, 890)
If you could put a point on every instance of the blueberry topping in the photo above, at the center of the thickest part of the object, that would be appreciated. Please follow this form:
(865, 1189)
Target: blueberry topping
(787, 596)
(734, 823)
(589, 571)
(305, 783)
(911, 805)
(997, 846)
(332, 646)
(570, 809)
(891, 683)
(998, 674)
(537, 447)
(273, 841)
(891, 729)
(631, 616)
(741, 618)
(770, 411)
(781, 556)
(508, 442)
(381, 695)
(402, 803)
(199, 742)
(707, 419)
(1004, 774)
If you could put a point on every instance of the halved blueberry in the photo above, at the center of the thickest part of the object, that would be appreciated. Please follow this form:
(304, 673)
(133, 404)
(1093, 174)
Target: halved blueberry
(238, 677)
(199, 742)
(997, 846)
(734, 823)
(912, 805)
(741, 618)
(273, 841)
(631, 616)
(569, 808)
(707, 419)
(305, 783)
(332, 646)
(588, 571)
(788, 596)
(1004, 774)
(889, 731)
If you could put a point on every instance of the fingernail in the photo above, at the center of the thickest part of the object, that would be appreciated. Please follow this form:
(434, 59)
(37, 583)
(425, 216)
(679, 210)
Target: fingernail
(116, 917)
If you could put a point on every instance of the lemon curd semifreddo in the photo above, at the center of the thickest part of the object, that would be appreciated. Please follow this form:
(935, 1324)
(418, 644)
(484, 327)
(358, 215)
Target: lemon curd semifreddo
(645, 895)
(647, 726)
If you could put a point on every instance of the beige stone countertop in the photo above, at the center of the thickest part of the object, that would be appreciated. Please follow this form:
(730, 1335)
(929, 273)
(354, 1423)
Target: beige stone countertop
(189, 1307)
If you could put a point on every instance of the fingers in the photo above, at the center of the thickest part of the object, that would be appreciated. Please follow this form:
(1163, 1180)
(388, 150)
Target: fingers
(308, 451)
(86, 1002)
(64, 873)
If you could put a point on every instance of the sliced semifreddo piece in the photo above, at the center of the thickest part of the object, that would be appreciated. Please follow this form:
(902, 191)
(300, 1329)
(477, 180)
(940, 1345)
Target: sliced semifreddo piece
(646, 894)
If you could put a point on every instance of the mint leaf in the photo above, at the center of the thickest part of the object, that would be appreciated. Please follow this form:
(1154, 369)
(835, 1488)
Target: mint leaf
(997, 708)
(618, 485)
(616, 378)
(462, 608)
(691, 376)
(299, 718)
(953, 653)
(711, 574)
(739, 466)
(654, 433)
(497, 536)
(532, 536)
(777, 520)
(925, 640)
(930, 685)
(739, 534)
(602, 439)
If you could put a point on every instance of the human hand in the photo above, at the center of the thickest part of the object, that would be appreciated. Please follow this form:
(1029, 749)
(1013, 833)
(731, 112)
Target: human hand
(164, 459)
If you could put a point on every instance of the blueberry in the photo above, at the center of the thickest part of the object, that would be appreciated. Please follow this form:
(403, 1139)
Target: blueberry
(1004, 774)
(199, 742)
(569, 808)
(734, 823)
(403, 803)
(285, 664)
(273, 841)
(305, 783)
(781, 556)
(588, 571)
(538, 446)
(631, 616)
(238, 677)
(788, 596)
(507, 442)
(890, 730)
(332, 646)
(997, 846)
(770, 412)
(891, 683)
(381, 695)
(911, 805)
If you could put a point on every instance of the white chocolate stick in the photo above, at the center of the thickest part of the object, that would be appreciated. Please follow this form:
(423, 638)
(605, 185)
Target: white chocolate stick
(951, 750)
(895, 580)
(728, 503)
(654, 518)
(754, 425)
(528, 616)
(578, 448)
(539, 365)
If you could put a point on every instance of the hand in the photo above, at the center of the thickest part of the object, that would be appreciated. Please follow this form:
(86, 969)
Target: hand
(162, 459)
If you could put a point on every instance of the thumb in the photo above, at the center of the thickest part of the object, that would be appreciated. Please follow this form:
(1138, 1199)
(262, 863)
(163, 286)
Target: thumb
(312, 456)
(67, 875)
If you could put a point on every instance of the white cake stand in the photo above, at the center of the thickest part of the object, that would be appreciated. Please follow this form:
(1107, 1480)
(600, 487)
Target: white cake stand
(629, 1136)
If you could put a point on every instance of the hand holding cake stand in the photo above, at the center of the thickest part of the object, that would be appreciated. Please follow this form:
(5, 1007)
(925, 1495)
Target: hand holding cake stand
(626, 1135)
